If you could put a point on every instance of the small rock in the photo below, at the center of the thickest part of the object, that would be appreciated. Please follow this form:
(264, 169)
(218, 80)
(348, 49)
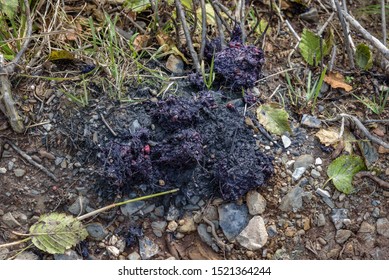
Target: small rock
(96, 231)
(286, 141)
(173, 213)
(112, 250)
(233, 219)
(256, 203)
(131, 208)
(290, 231)
(339, 217)
(318, 161)
(211, 213)
(204, 234)
(44, 154)
(272, 230)
(58, 160)
(47, 126)
(315, 174)
(304, 161)
(186, 225)
(147, 248)
(310, 121)
(298, 173)
(342, 235)
(19, 172)
(376, 212)
(321, 220)
(306, 223)
(292, 201)
(175, 64)
(148, 209)
(172, 226)
(4, 253)
(159, 211)
(311, 15)
(11, 165)
(68, 256)
(254, 236)
(159, 227)
(79, 206)
(10, 221)
(27, 255)
(383, 227)
(3, 170)
(134, 256)
(64, 164)
(366, 228)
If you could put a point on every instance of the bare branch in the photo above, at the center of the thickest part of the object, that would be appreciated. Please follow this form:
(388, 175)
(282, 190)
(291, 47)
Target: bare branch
(383, 22)
(203, 28)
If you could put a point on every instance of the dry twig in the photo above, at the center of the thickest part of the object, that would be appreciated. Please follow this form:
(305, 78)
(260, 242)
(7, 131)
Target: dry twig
(380, 182)
(383, 22)
(203, 28)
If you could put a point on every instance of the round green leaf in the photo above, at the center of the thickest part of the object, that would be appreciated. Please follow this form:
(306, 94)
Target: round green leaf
(342, 171)
(364, 57)
(56, 232)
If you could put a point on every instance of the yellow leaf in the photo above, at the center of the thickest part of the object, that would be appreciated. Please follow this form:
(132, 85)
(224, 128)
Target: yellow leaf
(328, 136)
(336, 80)
(61, 55)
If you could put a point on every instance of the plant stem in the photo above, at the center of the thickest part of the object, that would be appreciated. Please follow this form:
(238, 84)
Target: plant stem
(15, 243)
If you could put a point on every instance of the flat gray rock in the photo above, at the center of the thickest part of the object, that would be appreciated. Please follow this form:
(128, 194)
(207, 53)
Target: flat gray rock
(254, 236)
(293, 200)
(256, 203)
(96, 231)
(383, 227)
(147, 248)
(131, 208)
(233, 219)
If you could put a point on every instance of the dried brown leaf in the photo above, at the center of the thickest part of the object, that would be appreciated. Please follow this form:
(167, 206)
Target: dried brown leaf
(336, 80)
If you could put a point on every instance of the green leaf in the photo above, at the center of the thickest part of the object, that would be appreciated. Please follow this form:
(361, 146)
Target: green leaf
(137, 6)
(9, 7)
(342, 170)
(364, 57)
(273, 118)
(310, 46)
(56, 232)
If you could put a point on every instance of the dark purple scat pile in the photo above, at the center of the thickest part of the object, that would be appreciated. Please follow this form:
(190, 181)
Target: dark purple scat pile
(197, 146)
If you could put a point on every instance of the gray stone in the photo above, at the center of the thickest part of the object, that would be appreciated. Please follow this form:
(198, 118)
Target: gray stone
(159, 227)
(256, 203)
(27, 255)
(204, 234)
(3, 253)
(69, 255)
(292, 201)
(315, 174)
(286, 141)
(325, 195)
(11, 165)
(383, 227)
(211, 213)
(304, 161)
(233, 219)
(254, 236)
(10, 221)
(298, 173)
(148, 209)
(272, 230)
(131, 208)
(342, 235)
(79, 206)
(366, 228)
(194, 199)
(339, 217)
(147, 248)
(159, 211)
(321, 220)
(47, 126)
(135, 126)
(376, 212)
(134, 256)
(96, 231)
(175, 64)
(173, 213)
(58, 160)
(310, 121)
(19, 172)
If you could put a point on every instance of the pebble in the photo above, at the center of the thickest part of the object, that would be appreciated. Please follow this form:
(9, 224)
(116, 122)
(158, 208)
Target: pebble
(256, 203)
(304, 161)
(254, 236)
(366, 228)
(298, 173)
(131, 208)
(112, 250)
(147, 248)
(339, 217)
(186, 225)
(290, 231)
(58, 160)
(272, 230)
(19, 172)
(79, 206)
(342, 235)
(158, 227)
(292, 201)
(96, 231)
(318, 161)
(67, 256)
(286, 141)
(211, 213)
(134, 256)
(3, 170)
(4, 253)
(321, 220)
(10, 221)
(376, 212)
(310, 121)
(204, 234)
(11, 165)
(159, 211)
(47, 126)
(175, 64)
(172, 226)
(233, 219)
(173, 213)
(315, 174)
(27, 255)
(383, 227)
